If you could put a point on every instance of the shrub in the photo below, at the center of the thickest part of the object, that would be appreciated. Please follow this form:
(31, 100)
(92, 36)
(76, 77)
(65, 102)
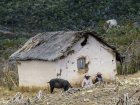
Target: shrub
(127, 41)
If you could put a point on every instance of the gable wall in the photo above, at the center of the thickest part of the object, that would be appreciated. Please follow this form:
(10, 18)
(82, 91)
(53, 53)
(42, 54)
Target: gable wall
(39, 72)
(101, 60)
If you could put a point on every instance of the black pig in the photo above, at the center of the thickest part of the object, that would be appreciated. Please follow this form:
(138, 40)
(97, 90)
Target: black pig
(59, 83)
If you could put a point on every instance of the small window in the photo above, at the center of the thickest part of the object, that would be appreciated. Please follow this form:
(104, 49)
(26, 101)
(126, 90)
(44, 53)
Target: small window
(81, 63)
(85, 41)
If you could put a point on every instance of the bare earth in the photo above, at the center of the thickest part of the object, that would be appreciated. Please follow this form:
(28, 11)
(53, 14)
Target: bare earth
(110, 94)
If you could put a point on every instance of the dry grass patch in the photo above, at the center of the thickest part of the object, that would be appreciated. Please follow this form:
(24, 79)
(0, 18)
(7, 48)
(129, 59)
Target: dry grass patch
(33, 89)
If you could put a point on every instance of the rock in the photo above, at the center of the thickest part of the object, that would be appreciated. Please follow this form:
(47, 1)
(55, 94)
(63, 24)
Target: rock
(86, 100)
(83, 93)
(89, 91)
(48, 103)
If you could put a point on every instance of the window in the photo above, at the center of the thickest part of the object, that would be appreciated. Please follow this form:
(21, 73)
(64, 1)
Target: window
(85, 41)
(81, 63)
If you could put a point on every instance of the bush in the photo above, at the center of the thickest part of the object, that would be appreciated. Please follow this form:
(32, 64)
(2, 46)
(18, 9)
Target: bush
(9, 46)
(127, 41)
(53, 15)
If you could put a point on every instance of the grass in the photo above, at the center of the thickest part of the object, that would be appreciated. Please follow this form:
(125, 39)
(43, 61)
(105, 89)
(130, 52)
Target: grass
(33, 89)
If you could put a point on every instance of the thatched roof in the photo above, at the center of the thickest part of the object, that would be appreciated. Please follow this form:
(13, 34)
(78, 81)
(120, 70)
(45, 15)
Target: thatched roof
(51, 46)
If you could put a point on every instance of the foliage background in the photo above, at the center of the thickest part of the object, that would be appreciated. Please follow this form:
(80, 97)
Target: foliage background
(53, 15)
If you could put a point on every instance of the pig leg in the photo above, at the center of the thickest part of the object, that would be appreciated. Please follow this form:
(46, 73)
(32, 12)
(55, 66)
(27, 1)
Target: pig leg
(65, 88)
(52, 88)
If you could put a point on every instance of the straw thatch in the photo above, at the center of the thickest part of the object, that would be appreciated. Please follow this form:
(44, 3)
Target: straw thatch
(51, 46)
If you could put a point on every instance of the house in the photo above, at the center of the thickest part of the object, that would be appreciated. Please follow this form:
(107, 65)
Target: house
(67, 55)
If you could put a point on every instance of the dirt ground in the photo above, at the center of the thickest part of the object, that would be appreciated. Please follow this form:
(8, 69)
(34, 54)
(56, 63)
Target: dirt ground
(109, 94)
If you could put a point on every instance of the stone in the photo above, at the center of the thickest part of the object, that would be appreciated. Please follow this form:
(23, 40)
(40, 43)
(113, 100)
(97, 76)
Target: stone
(86, 100)
(89, 91)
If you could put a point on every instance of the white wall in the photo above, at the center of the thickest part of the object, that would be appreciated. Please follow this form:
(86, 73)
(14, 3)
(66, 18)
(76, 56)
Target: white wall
(34, 73)
(101, 59)
(40, 72)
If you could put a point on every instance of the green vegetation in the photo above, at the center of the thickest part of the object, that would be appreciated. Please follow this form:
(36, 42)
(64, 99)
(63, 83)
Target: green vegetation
(127, 41)
(9, 45)
(54, 15)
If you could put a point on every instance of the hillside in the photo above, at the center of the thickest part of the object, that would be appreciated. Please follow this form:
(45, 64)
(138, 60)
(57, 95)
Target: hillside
(54, 15)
